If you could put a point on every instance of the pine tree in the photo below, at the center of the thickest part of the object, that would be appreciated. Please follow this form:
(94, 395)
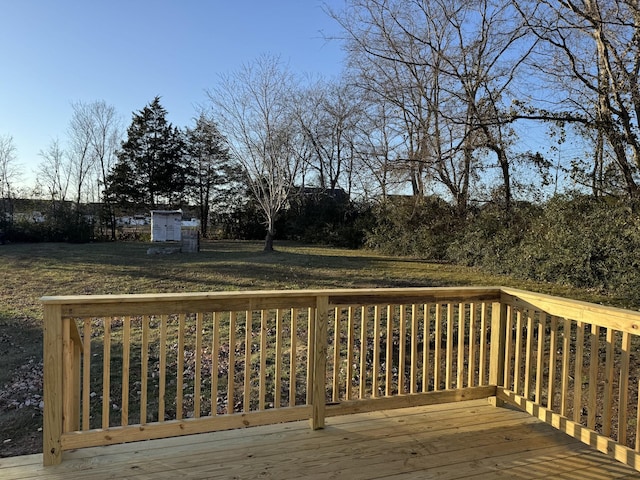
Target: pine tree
(215, 178)
(151, 163)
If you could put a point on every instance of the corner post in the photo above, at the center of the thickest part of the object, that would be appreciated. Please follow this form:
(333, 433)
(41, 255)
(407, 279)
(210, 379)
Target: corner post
(319, 370)
(498, 342)
(52, 385)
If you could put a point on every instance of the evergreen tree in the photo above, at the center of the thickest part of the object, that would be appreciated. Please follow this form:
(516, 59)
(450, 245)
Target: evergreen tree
(214, 177)
(123, 189)
(151, 163)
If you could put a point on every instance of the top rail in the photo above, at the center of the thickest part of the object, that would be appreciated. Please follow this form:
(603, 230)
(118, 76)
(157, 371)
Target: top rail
(166, 303)
(603, 316)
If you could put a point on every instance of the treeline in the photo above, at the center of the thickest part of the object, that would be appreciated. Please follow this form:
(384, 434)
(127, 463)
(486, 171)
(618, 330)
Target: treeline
(29, 221)
(572, 239)
(428, 133)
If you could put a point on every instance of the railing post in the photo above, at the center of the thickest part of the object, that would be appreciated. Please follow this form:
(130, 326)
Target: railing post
(52, 385)
(319, 370)
(498, 342)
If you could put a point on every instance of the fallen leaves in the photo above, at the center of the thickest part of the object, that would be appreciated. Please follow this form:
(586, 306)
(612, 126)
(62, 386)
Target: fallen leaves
(25, 388)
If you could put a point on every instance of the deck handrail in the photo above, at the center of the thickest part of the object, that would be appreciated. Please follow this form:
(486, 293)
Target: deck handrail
(122, 368)
(575, 365)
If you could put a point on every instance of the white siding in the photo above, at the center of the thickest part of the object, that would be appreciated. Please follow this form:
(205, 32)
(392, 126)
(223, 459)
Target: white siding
(165, 226)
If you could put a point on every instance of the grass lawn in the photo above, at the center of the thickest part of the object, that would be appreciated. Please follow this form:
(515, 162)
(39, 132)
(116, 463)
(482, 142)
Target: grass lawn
(29, 271)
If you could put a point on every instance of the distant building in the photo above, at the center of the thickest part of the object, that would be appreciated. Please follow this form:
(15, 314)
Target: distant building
(166, 225)
(193, 223)
(338, 194)
(33, 217)
(133, 221)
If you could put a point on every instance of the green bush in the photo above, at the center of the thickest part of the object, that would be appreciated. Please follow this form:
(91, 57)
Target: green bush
(572, 239)
(585, 242)
(491, 237)
(418, 227)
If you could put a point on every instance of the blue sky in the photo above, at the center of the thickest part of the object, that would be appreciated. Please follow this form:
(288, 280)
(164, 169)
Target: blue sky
(125, 52)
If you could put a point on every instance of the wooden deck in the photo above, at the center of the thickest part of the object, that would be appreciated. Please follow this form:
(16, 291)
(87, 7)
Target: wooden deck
(457, 440)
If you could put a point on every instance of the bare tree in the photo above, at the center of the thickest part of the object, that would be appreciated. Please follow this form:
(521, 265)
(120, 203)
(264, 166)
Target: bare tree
(328, 113)
(388, 67)
(377, 148)
(94, 133)
(97, 125)
(446, 66)
(396, 50)
(54, 175)
(81, 159)
(490, 47)
(10, 173)
(589, 61)
(256, 116)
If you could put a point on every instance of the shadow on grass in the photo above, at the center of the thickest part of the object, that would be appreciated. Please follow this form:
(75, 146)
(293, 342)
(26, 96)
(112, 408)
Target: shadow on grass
(118, 268)
(20, 341)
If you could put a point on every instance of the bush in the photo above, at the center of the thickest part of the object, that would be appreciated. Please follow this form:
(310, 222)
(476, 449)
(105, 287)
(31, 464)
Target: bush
(585, 242)
(62, 224)
(326, 218)
(413, 226)
(572, 239)
(491, 237)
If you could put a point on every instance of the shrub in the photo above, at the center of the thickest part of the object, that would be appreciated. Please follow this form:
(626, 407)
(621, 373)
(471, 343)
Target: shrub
(585, 242)
(62, 225)
(413, 226)
(572, 239)
(327, 218)
(490, 237)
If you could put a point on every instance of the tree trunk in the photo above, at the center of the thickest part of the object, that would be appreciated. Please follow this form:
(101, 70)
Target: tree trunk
(598, 162)
(268, 241)
(112, 221)
(204, 220)
(506, 177)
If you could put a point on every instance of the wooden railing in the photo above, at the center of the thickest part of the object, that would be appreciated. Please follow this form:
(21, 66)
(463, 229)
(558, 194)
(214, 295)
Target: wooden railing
(576, 366)
(135, 367)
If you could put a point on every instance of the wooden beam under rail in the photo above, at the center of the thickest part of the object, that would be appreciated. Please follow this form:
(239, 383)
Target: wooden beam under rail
(587, 436)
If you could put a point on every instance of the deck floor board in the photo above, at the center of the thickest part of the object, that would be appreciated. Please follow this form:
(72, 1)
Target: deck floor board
(452, 441)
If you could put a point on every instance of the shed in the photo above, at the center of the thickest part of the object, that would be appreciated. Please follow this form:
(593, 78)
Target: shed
(165, 225)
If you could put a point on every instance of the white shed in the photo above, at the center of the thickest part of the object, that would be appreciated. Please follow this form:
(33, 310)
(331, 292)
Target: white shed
(165, 225)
